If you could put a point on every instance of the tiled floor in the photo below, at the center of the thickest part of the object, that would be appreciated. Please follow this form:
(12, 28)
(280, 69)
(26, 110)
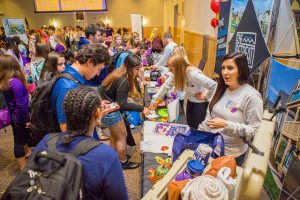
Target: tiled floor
(8, 166)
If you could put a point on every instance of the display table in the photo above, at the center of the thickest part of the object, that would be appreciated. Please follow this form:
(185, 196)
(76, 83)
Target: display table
(148, 158)
(250, 178)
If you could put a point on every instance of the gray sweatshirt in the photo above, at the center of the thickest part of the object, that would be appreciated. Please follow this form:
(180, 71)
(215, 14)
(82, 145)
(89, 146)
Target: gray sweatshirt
(243, 110)
(196, 82)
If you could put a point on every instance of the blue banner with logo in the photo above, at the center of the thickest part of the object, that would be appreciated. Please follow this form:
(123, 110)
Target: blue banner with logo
(222, 33)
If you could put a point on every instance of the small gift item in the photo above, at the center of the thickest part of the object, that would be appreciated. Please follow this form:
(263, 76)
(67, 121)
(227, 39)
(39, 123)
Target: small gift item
(204, 187)
(164, 148)
(174, 189)
(194, 168)
(182, 176)
(163, 168)
(227, 180)
(202, 153)
(217, 164)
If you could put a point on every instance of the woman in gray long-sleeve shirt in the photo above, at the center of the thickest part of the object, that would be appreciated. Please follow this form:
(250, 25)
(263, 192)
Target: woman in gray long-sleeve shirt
(115, 88)
(236, 109)
(12, 83)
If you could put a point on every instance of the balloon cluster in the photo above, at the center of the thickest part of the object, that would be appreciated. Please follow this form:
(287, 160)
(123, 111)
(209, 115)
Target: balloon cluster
(215, 6)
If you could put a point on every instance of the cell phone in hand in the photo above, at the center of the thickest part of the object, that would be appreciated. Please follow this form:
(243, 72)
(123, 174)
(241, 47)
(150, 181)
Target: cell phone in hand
(108, 108)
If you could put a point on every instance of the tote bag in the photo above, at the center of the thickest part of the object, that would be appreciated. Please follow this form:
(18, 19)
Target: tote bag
(193, 138)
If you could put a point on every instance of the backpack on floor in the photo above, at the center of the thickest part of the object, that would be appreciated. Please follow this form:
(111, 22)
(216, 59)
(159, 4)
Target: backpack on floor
(50, 174)
(4, 112)
(42, 116)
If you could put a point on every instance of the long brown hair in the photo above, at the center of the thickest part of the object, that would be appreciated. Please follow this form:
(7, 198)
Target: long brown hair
(132, 40)
(9, 68)
(126, 70)
(243, 76)
(50, 64)
(180, 66)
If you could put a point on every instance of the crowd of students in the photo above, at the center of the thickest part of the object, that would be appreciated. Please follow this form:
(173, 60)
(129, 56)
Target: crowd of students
(114, 65)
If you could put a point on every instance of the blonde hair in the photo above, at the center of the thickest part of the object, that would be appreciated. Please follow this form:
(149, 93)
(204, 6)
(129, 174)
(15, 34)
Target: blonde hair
(180, 66)
(179, 50)
(60, 39)
(114, 43)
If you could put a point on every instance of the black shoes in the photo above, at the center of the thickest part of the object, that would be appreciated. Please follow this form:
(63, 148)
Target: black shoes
(129, 165)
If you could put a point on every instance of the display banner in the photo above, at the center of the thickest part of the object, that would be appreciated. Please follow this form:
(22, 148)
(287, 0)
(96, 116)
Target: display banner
(15, 27)
(282, 78)
(248, 39)
(222, 33)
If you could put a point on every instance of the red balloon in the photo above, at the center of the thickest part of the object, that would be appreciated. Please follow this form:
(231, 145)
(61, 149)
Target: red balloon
(215, 6)
(214, 22)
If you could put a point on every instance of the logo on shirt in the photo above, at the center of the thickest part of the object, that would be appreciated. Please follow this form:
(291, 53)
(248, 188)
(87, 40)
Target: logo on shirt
(232, 106)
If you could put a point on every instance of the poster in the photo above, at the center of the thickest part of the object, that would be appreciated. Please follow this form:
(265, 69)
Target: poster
(137, 24)
(262, 10)
(222, 33)
(282, 78)
(248, 39)
(15, 27)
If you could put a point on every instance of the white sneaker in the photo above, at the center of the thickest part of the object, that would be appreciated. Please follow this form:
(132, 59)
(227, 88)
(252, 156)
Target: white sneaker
(132, 126)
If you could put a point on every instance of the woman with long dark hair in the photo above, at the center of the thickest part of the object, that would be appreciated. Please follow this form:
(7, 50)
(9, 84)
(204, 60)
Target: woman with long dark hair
(54, 64)
(13, 50)
(34, 68)
(12, 83)
(115, 88)
(236, 108)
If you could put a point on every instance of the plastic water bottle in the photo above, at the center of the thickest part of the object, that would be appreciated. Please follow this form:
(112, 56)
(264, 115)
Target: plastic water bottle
(202, 153)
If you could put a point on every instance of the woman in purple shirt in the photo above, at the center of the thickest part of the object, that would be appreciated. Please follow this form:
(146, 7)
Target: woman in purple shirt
(12, 83)
(60, 46)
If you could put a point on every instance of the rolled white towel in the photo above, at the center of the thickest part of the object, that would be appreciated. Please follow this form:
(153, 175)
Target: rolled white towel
(204, 188)
(227, 180)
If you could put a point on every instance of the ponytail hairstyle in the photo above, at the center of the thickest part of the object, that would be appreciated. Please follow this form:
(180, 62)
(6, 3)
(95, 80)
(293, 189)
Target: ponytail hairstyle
(243, 76)
(80, 105)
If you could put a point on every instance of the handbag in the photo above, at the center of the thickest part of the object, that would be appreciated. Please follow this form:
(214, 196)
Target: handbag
(4, 112)
(193, 138)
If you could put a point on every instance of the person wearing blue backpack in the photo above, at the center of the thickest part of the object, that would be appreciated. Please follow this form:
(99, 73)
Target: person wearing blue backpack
(236, 108)
(12, 83)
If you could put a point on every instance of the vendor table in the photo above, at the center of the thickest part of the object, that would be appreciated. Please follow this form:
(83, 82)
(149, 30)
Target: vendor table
(147, 158)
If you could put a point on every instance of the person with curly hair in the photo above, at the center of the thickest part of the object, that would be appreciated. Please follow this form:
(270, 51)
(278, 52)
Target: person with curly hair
(89, 61)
